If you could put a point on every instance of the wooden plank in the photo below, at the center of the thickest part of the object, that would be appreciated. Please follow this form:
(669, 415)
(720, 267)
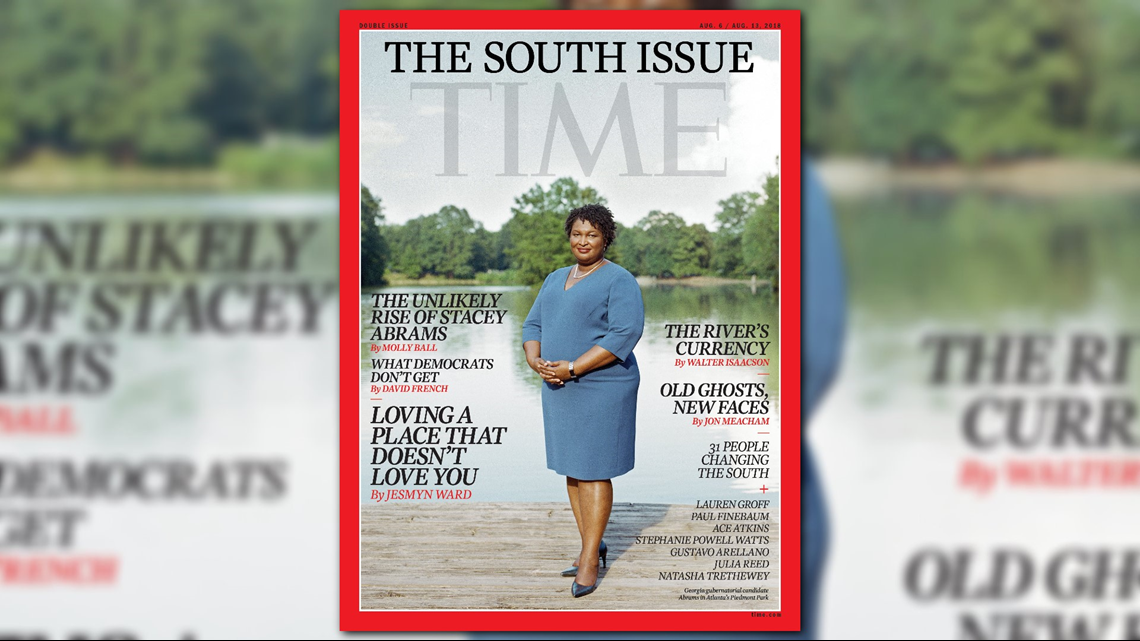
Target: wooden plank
(507, 556)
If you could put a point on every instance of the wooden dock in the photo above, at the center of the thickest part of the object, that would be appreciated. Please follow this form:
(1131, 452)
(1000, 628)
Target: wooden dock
(507, 556)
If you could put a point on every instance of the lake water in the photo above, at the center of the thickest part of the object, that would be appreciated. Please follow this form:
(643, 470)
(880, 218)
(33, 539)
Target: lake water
(668, 447)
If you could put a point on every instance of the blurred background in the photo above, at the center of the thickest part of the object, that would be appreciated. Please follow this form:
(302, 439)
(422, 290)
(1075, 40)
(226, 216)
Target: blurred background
(982, 166)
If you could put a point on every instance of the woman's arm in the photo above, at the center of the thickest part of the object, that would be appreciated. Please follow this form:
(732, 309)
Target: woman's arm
(594, 358)
(532, 339)
(533, 351)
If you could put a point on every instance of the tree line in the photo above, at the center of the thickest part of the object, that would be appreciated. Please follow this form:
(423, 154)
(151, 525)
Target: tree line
(449, 243)
(166, 83)
(970, 80)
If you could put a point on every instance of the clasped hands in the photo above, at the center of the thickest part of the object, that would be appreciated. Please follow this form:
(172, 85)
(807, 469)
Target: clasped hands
(553, 372)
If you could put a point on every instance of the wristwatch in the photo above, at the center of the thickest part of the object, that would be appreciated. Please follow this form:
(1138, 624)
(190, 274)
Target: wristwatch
(571, 368)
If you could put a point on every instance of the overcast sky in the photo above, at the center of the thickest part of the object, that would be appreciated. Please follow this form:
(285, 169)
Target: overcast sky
(402, 132)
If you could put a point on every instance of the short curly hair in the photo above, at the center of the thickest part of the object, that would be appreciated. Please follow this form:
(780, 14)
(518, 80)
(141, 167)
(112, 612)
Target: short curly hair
(597, 215)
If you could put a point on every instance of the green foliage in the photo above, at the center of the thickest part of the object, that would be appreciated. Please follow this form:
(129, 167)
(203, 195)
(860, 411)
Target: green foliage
(1020, 75)
(447, 243)
(1114, 91)
(654, 242)
(163, 83)
(760, 239)
(373, 247)
(617, 249)
(537, 238)
(662, 245)
(175, 84)
(692, 251)
(728, 254)
(972, 80)
(282, 162)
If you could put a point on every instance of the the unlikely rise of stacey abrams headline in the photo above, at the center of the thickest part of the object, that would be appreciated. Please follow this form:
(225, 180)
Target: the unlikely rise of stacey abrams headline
(578, 57)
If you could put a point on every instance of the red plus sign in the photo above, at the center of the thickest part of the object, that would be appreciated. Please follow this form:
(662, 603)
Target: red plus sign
(764, 489)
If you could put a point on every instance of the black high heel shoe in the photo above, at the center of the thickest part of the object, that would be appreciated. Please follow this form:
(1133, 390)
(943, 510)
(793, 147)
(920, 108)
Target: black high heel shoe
(573, 569)
(582, 590)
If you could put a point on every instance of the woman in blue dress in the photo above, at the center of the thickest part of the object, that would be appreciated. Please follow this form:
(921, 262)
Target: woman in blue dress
(579, 338)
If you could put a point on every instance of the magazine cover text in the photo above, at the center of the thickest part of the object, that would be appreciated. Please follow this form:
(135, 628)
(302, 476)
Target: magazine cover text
(570, 320)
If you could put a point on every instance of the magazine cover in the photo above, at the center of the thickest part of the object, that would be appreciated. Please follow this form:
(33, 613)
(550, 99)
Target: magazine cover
(570, 292)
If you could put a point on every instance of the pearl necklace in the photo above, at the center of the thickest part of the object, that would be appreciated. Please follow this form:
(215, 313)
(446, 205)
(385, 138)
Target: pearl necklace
(579, 271)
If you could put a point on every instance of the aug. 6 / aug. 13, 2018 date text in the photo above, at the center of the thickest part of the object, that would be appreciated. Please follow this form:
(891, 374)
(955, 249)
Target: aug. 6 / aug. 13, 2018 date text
(740, 25)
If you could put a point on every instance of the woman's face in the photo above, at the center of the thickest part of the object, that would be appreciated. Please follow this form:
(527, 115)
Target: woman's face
(586, 242)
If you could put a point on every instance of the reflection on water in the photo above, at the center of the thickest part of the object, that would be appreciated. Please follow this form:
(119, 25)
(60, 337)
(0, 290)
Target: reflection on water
(668, 445)
(974, 257)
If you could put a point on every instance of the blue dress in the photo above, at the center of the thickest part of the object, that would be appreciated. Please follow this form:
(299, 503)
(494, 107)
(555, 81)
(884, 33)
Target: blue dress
(590, 421)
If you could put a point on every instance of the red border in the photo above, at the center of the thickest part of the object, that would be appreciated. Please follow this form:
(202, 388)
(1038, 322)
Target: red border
(351, 617)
